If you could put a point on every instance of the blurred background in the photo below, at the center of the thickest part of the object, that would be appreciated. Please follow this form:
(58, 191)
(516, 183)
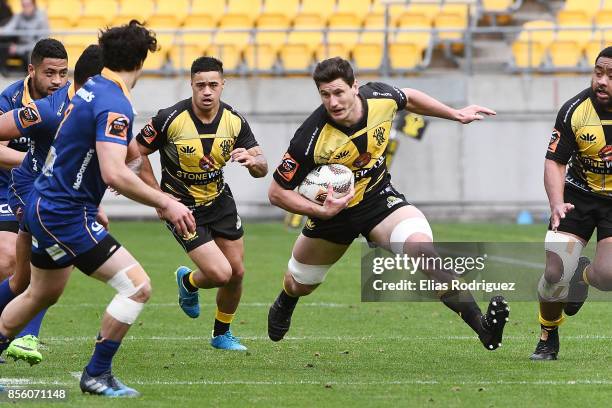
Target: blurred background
(522, 58)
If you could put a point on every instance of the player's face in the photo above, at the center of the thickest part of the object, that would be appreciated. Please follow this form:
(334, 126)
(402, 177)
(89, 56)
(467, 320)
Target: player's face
(207, 88)
(340, 100)
(602, 81)
(49, 76)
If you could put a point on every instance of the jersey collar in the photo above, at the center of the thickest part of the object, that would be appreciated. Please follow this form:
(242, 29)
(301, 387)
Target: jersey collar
(26, 98)
(112, 76)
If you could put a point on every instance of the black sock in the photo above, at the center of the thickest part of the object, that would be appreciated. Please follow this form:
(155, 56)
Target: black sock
(287, 302)
(187, 284)
(463, 303)
(220, 328)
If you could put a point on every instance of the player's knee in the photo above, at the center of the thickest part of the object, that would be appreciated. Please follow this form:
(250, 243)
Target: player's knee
(237, 274)
(133, 288)
(305, 278)
(553, 271)
(409, 235)
(562, 254)
(7, 258)
(144, 293)
(219, 274)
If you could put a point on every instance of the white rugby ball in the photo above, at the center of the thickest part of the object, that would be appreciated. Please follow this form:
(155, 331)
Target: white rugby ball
(314, 186)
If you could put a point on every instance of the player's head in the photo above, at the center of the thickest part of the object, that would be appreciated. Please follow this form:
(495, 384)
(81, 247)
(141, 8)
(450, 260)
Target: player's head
(48, 68)
(601, 81)
(89, 64)
(337, 87)
(125, 47)
(207, 83)
(28, 7)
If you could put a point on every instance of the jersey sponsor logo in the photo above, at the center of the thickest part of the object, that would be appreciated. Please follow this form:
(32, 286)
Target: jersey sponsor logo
(188, 150)
(382, 94)
(29, 116)
(605, 153)
(341, 155)
(206, 162)
(362, 160)
(379, 135)
(149, 133)
(79, 176)
(55, 252)
(587, 137)
(96, 227)
(554, 141)
(310, 224)
(117, 125)
(199, 178)
(5, 209)
(288, 167)
(190, 236)
(392, 200)
(238, 222)
(85, 94)
(49, 162)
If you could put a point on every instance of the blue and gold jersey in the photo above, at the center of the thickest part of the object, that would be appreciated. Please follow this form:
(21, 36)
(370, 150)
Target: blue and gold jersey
(360, 147)
(38, 121)
(194, 153)
(582, 139)
(100, 111)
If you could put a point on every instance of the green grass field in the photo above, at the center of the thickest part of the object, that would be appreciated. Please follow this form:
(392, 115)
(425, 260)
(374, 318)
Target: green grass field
(339, 352)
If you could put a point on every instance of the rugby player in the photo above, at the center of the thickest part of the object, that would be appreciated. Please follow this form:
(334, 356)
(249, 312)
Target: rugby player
(38, 122)
(578, 182)
(47, 72)
(196, 138)
(352, 128)
(88, 155)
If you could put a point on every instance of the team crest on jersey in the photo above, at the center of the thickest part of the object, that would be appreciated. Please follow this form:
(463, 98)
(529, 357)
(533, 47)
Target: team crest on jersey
(605, 153)
(362, 160)
(310, 224)
(149, 133)
(117, 125)
(288, 167)
(207, 162)
(554, 141)
(379, 135)
(29, 116)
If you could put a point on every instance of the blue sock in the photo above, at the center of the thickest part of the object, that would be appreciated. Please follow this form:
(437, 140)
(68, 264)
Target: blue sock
(6, 294)
(102, 357)
(33, 326)
(4, 342)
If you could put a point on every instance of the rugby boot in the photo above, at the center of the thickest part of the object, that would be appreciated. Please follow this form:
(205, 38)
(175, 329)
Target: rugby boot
(547, 348)
(493, 322)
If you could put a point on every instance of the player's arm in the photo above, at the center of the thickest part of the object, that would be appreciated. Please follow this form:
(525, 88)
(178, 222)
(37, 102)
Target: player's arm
(133, 159)
(253, 159)
(554, 183)
(423, 104)
(116, 174)
(9, 158)
(293, 202)
(8, 127)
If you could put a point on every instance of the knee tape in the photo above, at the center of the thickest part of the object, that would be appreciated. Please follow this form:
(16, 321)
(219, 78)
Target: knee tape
(569, 249)
(122, 307)
(307, 274)
(405, 229)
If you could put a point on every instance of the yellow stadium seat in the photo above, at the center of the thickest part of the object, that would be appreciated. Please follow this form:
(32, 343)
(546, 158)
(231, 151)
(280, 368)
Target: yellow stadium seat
(296, 57)
(544, 37)
(360, 8)
(451, 20)
(272, 22)
(606, 5)
(565, 54)
(604, 18)
(187, 47)
(229, 54)
(368, 56)
(260, 57)
(74, 51)
(169, 14)
(239, 39)
(63, 14)
(404, 56)
(343, 21)
(581, 37)
(289, 8)
(528, 55)
(573, 18)
(325, 51)
(323, 8)
(139, 10)
(373, 21)
(312, 38)
(97, 14)
(593, 48)
(420, 39)
(213, 9)
(496, 5)
(250, 8)
(589, 7)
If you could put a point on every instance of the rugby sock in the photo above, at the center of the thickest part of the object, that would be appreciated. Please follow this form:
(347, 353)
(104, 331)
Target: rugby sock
(33, 327)
(102, 357)
(463, 303)
(4, 342)
(546, 331)
(188, 282)
(287, 302)
(6, 294)
(222, 323)
(585, 275)
(551, 314)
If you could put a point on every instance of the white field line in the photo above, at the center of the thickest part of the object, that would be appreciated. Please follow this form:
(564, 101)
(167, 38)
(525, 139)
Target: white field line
(251, 304)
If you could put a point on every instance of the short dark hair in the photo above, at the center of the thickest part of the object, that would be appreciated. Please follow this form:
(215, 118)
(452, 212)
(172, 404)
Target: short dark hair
(206, 64)
(125, 47)
(47, 48)
(606, 53)
(333, 68)
(89, 64)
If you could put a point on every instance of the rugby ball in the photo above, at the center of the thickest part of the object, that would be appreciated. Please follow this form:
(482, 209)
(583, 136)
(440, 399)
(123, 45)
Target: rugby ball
(314, 186)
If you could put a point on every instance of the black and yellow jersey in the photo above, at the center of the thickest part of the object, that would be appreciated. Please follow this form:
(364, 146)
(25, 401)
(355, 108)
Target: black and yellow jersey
(582, 138)
(360, 147)
(193, 153)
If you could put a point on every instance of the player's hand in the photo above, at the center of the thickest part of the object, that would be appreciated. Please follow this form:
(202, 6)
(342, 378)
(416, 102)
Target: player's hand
(472, 113)
(159, 211)
(333, 206)
(558, 212)
(242, 157)
(102, 218)
(180, 216)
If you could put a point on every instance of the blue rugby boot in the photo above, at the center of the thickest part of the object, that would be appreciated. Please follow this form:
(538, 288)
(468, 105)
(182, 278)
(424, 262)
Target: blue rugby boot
(227, 341)
(105, 385)
(188, 301)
